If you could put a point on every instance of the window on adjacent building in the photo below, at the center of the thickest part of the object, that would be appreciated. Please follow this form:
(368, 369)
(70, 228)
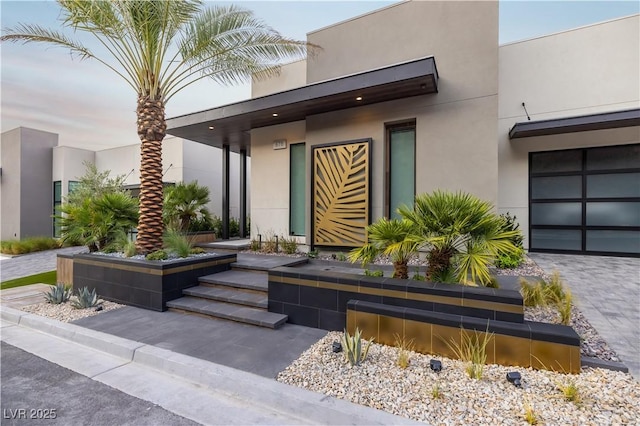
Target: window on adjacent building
(401, 167)
(72, 186)
(57, 202)
(297, 186)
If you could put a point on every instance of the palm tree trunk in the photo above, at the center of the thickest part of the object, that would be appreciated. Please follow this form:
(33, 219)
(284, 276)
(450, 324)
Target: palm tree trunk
(400, 270)
(439, 261)
(152, 128)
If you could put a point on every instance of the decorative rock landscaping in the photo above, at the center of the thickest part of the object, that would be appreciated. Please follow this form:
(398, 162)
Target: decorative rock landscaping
(607, 397)
(65, 312)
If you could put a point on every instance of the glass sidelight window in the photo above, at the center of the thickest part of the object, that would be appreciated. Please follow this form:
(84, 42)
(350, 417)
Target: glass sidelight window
(57, 202)
(401, 167)
(586, 200)
(297, 186)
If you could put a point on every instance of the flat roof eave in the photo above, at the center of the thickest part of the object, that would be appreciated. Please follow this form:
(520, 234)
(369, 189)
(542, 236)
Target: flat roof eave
(232, 123)
(581, 123)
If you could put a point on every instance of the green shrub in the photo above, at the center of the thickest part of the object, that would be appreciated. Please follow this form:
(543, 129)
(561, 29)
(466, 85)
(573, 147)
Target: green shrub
(157, 255)
(374, 273)
(352, 346)
(509, 224)
(58, 294)
(198, 250)
(289, 245)
(85, 299)
(340, 257)
(254, 245)
(29, 245)
(185, 203)
(269, 243)
(234, 227)
(312, 254)
(130, 249)
(543, 293)
(510, 260)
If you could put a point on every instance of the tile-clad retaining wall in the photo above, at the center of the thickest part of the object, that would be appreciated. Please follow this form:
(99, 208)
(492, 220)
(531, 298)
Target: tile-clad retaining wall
(319, 299)
(528, 344)
(141, 283)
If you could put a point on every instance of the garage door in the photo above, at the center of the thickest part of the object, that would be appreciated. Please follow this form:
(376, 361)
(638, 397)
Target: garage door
(585, 201)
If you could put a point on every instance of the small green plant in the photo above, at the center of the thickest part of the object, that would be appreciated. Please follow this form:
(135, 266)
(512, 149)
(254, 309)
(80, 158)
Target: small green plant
(197, 250)
(58, 294)
(570, 391)
(254, 245)
(416, 276)
(543, 293)
(178, 243)
(404, 347)
(130, 249)
(157, 255)
(436, 391)
(341, 257)
(374, 273)
(269, 243)
(493, 283)
(289, 245)
(28, 245)
(530, 415)
(312, 254)
(510, 260)
(352, 346)
(446, 276)
(472, 349)
(85, 299)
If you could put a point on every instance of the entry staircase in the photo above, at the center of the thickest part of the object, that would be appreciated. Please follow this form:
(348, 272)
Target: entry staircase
(239, 294)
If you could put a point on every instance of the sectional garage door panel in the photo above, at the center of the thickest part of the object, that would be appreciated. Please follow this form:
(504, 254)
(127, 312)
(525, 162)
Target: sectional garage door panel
(585, 200)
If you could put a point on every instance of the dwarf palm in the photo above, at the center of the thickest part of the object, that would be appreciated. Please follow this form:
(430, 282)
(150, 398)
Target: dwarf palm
(185, 203)
(159, 48)
(461, 231)
(389, 237)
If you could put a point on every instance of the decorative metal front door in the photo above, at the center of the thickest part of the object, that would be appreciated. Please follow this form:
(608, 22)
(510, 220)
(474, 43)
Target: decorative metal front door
(341, 194)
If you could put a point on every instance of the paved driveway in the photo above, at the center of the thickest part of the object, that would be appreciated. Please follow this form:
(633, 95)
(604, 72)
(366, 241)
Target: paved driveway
(607, 290)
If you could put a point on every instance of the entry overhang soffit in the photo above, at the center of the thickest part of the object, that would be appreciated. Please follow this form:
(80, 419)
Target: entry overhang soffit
(581, 123)
(231, 123)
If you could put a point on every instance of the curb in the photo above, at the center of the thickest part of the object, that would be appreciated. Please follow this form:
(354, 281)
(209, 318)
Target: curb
(268, 394)
(600, 363)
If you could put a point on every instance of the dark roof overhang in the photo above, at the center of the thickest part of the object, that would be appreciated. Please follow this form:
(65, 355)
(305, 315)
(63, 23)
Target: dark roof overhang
(232, 123)
(581, 123)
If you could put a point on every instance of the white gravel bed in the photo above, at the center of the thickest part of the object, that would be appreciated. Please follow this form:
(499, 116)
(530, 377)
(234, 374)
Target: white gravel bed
(65, 312)
(608, 397)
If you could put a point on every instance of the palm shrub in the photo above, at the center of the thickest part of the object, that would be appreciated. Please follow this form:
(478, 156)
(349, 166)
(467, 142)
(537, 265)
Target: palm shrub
(389, 237)
(461, 233)
(100, 222)
(185, 204)
(159, 48)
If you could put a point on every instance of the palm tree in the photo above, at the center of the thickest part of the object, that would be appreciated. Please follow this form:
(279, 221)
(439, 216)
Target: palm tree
(461, 231)
(184, 203)
(159, 48)
(389, 237)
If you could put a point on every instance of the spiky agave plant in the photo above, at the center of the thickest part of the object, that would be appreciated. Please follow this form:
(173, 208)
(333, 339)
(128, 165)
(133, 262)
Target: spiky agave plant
(58, 294)
(352, 345)
(85, 298)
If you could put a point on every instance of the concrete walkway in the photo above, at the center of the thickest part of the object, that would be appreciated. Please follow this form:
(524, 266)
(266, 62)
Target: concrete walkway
(607, 291)
(198, 390)
(33, 263)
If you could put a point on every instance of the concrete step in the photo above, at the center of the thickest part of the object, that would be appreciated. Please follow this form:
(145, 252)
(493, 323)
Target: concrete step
(238, 279)
(228, 311)
(229, 295)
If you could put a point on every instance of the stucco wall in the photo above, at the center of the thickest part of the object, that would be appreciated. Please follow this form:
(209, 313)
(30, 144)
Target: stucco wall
(27, 191)
(69, 165)
(10, 184)
(291, 76)
(582, 71)
(456, 129)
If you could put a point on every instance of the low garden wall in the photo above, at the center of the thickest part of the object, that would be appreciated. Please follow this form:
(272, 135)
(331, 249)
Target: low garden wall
(142, 283)
(430, 313)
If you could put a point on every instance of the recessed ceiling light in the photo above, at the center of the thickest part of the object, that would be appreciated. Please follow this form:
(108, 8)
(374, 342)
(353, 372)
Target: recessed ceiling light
(275, 114)
(359, 98)
(211, 127)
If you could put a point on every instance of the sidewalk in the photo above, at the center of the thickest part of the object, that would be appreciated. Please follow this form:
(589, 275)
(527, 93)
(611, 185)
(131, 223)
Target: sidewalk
(33, 263)
(199, 390)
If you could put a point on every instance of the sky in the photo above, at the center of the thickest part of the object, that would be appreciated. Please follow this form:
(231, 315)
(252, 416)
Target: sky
(91, 107)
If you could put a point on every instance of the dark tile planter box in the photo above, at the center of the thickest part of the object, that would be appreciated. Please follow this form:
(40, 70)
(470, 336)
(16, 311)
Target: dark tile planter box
(142, 283)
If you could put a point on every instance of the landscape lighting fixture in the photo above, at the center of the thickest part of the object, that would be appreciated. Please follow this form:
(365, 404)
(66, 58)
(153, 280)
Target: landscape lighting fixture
(435, 365)
(514, 378)
(275, 114)
(336, 347)
(359, 98)
(211, 127)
